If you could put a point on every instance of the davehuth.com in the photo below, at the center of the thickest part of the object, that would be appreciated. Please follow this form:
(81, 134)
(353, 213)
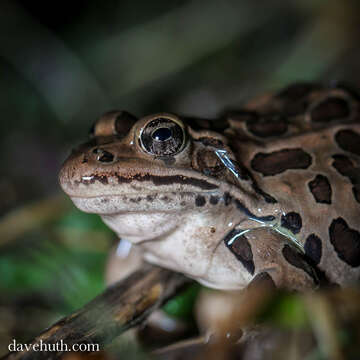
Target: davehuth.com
(58, 346)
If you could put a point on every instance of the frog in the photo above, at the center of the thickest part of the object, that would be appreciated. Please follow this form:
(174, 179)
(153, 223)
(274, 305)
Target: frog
(267, 192)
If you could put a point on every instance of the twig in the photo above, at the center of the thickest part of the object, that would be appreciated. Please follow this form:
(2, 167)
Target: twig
(121, 306)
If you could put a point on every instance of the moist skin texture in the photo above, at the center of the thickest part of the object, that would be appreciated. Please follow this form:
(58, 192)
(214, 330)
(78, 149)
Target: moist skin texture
(269, 191)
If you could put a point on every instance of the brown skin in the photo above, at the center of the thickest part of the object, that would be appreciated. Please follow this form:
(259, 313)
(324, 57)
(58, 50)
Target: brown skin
(313, 121)
(159, 183)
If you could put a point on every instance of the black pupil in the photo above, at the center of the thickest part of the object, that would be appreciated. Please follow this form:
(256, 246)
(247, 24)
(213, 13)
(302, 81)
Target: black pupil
(161, 134)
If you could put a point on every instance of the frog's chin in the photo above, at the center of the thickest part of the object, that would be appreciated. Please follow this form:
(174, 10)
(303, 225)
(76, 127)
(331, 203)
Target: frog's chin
(138, 227)
(131, 219)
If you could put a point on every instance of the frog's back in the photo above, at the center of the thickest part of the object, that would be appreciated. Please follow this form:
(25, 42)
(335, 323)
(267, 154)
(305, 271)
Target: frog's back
(302, 147)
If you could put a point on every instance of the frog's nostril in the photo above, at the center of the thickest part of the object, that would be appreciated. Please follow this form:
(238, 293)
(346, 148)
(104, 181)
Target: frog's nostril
(103, 156)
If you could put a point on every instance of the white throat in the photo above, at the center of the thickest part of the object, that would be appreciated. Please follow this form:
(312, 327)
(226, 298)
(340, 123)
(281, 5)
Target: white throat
(138, 227)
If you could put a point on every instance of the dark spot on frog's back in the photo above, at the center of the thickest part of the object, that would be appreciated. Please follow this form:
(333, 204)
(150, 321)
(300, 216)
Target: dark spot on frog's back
(321, 189)
(348, 140)
(200, 200)
(292, 221)
(343, 165)
(332, 108)
(267, 126)
(297, 259)
(295, 98)
(279, 161)
(347, 167)
(346, 242)
(313, 248)
(240, 247)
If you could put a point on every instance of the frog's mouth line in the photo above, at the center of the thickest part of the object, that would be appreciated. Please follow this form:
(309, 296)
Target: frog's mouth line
(155, 180)
(147, 195)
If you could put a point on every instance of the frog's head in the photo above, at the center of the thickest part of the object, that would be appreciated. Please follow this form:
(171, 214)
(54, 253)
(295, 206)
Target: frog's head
(153, 167)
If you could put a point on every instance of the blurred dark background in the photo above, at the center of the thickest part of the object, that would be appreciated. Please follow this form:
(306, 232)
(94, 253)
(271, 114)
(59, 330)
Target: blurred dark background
(62, 64)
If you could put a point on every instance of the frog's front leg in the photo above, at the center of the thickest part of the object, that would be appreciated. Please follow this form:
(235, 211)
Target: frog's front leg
(271, 258)
(123, 260)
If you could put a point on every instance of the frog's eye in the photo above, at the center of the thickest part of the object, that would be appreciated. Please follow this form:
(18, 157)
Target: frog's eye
(163, 137)
(113, 123)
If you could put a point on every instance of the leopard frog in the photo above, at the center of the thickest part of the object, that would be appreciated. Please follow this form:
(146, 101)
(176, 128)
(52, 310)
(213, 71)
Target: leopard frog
(270, 191)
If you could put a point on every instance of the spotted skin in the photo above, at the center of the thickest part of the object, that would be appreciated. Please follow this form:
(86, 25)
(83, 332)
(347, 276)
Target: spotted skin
(346, 242)
(269, 126)
(239, 245)
(292, 221)
(348, 168)
(313, 248)
(277, 162)
(348, 140)
(284, 210)
(332, 108)
(333, 115)
(321, 189)
(297, 259)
